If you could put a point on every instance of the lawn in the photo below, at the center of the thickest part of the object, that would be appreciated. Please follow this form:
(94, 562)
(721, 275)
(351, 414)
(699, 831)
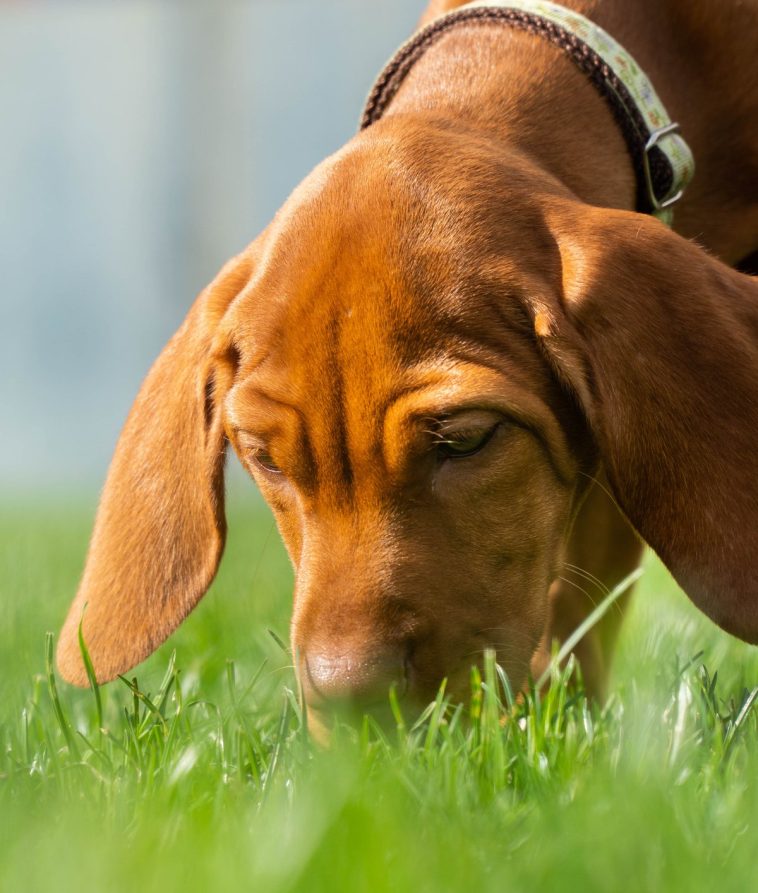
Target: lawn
(199, 776)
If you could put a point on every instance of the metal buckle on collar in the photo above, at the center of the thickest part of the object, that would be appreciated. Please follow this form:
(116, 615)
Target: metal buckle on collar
(655, 137)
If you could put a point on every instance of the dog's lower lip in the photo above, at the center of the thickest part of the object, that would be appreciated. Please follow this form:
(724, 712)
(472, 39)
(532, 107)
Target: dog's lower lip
(323, 704)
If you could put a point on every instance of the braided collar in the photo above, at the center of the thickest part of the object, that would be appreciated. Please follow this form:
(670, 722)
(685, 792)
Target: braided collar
(662, 160)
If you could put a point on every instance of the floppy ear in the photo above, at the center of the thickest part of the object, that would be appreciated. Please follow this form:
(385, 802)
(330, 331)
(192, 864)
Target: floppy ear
(160, 528)
(660, 343)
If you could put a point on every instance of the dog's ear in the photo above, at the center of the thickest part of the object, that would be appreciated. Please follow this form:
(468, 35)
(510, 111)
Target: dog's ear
(160, 527)
(659, 342)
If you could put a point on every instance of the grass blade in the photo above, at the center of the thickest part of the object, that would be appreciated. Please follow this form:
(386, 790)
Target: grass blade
(90, 670)
(57, 706)
(591, 620)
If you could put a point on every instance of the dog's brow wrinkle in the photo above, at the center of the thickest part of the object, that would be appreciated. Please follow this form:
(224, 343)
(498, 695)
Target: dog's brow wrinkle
(269, 397)
(259, 359)
(337, 435)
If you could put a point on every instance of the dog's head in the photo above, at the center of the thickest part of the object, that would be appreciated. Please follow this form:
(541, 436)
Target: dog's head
(421, 362)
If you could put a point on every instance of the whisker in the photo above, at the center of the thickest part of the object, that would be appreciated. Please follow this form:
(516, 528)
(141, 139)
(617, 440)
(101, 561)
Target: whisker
(615, 606)
(580, 588)
(602, 486)
(591, 578)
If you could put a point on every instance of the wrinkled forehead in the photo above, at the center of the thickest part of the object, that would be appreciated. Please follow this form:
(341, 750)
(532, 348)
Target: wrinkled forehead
(388, 255)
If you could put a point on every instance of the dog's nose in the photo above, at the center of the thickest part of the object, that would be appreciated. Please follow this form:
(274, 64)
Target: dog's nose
(353, 680)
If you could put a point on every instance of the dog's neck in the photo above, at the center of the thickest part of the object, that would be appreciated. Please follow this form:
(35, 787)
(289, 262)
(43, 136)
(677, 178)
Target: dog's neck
(514, 91)
(519, 89)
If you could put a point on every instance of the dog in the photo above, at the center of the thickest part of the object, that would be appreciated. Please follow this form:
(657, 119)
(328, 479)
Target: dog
(468, 376)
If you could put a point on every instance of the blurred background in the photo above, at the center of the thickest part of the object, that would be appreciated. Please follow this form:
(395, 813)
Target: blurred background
(144, 143)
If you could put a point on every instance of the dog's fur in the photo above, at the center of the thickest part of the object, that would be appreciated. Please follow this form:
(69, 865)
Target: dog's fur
(469, 262)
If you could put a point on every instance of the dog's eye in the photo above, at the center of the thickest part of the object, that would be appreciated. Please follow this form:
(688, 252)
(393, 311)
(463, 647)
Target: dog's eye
(459, 444)
(263, 460)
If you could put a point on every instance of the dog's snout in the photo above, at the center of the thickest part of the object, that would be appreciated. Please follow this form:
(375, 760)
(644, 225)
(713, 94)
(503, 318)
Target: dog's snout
(351, 679)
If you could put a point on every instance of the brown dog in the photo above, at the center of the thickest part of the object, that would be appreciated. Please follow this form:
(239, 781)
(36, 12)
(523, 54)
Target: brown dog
(453, 332)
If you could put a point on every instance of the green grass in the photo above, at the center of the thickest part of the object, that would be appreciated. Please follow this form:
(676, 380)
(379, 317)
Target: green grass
(199, 776)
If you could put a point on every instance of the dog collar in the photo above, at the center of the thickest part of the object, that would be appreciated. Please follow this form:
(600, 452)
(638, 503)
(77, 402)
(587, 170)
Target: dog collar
(662, 160)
